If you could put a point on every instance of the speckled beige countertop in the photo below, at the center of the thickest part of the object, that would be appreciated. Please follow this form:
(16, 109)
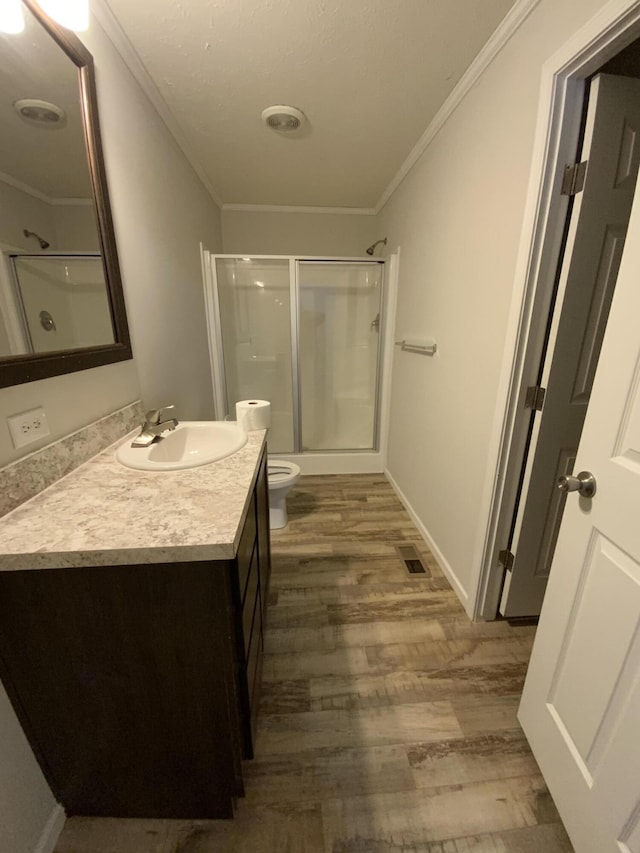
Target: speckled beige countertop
(105, 514)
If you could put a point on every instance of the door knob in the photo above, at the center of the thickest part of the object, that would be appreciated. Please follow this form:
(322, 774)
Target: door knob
(584, 484)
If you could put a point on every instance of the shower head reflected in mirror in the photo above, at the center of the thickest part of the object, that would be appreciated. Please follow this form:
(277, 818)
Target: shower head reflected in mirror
(372, 248)
(43, 243)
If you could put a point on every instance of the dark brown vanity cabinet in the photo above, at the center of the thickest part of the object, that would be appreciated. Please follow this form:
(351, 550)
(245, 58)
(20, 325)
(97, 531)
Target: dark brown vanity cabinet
(138, 686)
(250, 584)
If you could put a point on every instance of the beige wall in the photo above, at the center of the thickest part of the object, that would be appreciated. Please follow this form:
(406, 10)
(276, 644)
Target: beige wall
(161, 213)
(323, 234)
(26, 802)
(75, 228)
(20, 210)
(457, 217)
(68, 227)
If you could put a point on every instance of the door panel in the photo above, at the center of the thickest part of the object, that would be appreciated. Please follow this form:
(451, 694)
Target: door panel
(594, 248)
(580, 708)
(584, 697)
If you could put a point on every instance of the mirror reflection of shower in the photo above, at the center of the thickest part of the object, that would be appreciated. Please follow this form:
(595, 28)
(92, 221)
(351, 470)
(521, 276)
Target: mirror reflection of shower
(53, 302)
(43, 243)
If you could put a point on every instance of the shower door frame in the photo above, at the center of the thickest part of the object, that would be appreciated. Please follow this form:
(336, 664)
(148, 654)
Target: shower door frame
(212, 300)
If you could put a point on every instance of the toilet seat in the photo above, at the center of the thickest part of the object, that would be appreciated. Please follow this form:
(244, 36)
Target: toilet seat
(279, 472)
(281, 476)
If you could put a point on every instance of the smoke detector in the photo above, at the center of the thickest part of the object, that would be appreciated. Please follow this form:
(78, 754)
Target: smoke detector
(283, 119)
(42, 113)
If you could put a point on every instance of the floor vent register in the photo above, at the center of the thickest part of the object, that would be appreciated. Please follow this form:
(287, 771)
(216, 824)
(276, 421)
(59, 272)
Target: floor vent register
(411, 559)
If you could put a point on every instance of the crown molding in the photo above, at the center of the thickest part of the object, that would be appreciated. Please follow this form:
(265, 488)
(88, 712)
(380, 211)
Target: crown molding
(519, 12)
(129, 56)
(10, 181)
(27, 189)
(288, 208)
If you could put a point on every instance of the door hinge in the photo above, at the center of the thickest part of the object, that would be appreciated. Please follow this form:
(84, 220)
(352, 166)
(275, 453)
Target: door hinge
(535, 398)
(506, 558)
(573, 178)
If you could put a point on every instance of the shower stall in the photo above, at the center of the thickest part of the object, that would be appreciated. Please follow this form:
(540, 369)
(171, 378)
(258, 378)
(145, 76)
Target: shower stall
(305, 334)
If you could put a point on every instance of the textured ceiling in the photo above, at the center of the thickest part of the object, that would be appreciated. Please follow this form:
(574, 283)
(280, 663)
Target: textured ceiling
(369, 74)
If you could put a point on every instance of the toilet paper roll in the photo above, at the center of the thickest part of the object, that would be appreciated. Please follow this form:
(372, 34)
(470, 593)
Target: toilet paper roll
(253, 414)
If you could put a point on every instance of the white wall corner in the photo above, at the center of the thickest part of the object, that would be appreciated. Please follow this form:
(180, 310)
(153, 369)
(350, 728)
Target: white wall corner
(441, 560)
(51, 832)
(129, 56)
(509, 25)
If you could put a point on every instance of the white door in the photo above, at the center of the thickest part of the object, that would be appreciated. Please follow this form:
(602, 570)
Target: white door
(580, 707)
(592, 259)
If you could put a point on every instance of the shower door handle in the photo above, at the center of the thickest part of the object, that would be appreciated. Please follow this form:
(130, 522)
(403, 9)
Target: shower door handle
(375, 323)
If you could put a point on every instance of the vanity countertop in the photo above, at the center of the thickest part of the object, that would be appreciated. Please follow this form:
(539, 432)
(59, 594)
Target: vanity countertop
(105, 514)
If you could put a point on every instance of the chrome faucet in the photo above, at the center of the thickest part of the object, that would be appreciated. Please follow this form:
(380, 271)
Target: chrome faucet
(154, 425)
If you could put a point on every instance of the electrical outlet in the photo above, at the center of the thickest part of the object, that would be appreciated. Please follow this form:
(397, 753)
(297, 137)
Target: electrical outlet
(28, 427)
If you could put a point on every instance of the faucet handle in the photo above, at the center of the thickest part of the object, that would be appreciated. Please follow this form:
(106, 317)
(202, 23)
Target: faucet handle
(155, 416)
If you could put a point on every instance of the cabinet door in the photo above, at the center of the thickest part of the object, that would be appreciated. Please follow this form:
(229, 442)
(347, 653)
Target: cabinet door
(249, 603)
(245, 551)
(121, 677)
(264, 540)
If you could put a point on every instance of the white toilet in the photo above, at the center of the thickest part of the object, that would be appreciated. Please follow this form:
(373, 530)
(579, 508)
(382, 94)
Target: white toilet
(281, 476)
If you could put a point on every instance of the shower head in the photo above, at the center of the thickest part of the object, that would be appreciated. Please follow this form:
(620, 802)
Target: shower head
(372, 248)
(43, 243)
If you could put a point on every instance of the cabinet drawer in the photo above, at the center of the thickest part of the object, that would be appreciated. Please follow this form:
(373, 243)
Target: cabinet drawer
(245, 548)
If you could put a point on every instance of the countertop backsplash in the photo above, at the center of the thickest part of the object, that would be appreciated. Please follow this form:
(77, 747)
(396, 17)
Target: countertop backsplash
(26, 477)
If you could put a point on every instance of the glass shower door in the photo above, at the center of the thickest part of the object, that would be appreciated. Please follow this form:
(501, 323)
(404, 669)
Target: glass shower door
(63, 301)
(255, 318)
(339, 344)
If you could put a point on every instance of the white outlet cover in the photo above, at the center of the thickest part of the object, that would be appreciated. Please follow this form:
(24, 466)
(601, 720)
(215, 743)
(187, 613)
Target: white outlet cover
(28, 427)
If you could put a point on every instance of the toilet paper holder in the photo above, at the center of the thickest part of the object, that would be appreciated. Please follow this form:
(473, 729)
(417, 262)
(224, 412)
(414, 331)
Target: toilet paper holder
(424, 346)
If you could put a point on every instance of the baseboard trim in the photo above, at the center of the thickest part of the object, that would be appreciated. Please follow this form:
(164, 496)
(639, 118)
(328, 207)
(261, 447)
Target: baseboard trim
(428, 538)
(51, 831)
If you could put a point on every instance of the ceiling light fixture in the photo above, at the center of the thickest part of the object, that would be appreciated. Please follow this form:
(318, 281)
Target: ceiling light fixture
(72, 14)
(11, 17)
(283, 119)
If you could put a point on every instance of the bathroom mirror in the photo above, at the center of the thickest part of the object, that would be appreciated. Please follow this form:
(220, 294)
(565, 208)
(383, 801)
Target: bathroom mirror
(61, 301)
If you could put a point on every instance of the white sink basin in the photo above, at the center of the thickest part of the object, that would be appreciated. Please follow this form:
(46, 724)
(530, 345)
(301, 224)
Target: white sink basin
(190, 444)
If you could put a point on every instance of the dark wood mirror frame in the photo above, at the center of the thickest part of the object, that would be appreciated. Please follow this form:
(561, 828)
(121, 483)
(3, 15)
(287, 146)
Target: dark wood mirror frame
(28, 368)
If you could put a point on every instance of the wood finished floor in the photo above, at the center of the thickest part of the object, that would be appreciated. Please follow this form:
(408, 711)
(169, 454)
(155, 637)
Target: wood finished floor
(387, 720)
